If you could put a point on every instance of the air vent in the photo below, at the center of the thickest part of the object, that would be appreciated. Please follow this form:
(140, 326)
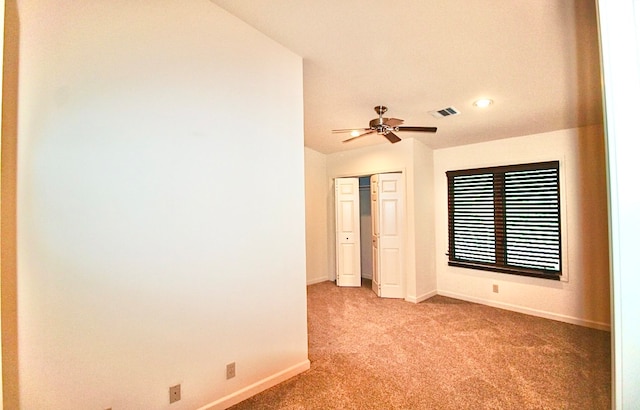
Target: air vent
(445, 112)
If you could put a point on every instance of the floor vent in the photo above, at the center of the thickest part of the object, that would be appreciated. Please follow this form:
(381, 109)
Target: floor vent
(445, 112)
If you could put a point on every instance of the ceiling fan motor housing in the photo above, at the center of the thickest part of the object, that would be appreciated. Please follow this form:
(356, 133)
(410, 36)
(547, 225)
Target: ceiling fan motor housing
(376, 122)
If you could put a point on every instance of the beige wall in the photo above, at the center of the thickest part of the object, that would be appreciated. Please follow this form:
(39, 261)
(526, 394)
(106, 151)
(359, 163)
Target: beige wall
(8, 205)
(317, 201)
(424, 228)
(584, 297)
(1, 93)
(147, 134)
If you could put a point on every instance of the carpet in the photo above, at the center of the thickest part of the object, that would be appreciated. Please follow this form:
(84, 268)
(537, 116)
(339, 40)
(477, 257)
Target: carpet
(372, 353)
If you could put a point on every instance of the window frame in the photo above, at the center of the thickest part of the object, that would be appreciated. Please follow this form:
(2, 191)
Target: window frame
(500, 263)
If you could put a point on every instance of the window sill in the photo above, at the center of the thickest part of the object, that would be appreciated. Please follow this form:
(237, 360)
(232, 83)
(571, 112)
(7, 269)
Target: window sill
(508, 270)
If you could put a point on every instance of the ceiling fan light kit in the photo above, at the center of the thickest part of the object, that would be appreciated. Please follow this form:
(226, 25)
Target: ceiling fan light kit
(383, 126)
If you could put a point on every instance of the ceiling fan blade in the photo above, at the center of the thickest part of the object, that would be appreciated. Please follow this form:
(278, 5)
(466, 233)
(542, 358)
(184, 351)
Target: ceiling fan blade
(418, 129)
(393, 138)
(358, 136)
(393, 122)
(348, 130)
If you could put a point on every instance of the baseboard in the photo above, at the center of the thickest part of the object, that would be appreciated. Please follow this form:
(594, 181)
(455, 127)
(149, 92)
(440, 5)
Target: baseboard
(528, 311)
(421, 298)
(261, 385)
(316, 280)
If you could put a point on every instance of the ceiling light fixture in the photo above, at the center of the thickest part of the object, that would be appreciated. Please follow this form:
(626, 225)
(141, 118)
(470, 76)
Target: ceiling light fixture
(355, 133)
(482, 103)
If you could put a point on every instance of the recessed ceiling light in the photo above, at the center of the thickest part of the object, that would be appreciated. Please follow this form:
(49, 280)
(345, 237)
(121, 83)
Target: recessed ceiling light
(484, 102)
(355, 133)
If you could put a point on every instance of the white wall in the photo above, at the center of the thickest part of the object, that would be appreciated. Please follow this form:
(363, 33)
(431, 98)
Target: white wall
(424, 224)
(620, 44)
(584, 298)
(390, 158)
(160, 205)
(316, 208)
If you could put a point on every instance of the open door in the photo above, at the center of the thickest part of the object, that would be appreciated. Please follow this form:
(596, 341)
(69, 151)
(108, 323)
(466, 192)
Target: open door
(387, 209)
(347, 232)
(375, 216)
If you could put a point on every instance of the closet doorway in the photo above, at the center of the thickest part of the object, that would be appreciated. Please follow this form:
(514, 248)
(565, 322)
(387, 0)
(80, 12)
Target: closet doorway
(370, 227)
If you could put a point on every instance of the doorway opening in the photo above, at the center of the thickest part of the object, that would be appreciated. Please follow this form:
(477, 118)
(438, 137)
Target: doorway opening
(366, 242)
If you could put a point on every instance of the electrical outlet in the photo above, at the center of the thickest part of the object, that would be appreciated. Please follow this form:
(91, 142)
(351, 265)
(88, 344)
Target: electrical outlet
(174, 393)
(495, 288)
(231, 370)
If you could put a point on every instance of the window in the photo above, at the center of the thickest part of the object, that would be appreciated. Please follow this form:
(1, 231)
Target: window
(506, 219)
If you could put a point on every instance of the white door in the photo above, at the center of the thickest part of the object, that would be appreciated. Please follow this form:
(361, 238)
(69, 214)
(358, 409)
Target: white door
(388, 235)
(347, 231)
(375, 215)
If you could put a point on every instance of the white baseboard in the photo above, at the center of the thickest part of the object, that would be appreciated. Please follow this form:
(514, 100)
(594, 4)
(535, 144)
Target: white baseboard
(316, 280)
(421, 298)
(530, 311)
(257, 387)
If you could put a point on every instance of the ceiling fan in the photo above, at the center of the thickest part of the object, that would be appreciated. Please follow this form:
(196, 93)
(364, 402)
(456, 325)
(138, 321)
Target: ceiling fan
(383, 126)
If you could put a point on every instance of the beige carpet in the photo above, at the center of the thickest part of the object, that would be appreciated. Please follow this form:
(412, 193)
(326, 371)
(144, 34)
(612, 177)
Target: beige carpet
(372, 353)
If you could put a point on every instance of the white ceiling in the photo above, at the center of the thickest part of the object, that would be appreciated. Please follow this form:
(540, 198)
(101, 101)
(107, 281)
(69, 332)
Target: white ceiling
(537, 59)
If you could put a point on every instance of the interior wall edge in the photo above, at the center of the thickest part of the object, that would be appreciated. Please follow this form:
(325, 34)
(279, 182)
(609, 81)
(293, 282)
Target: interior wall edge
(8, 208)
